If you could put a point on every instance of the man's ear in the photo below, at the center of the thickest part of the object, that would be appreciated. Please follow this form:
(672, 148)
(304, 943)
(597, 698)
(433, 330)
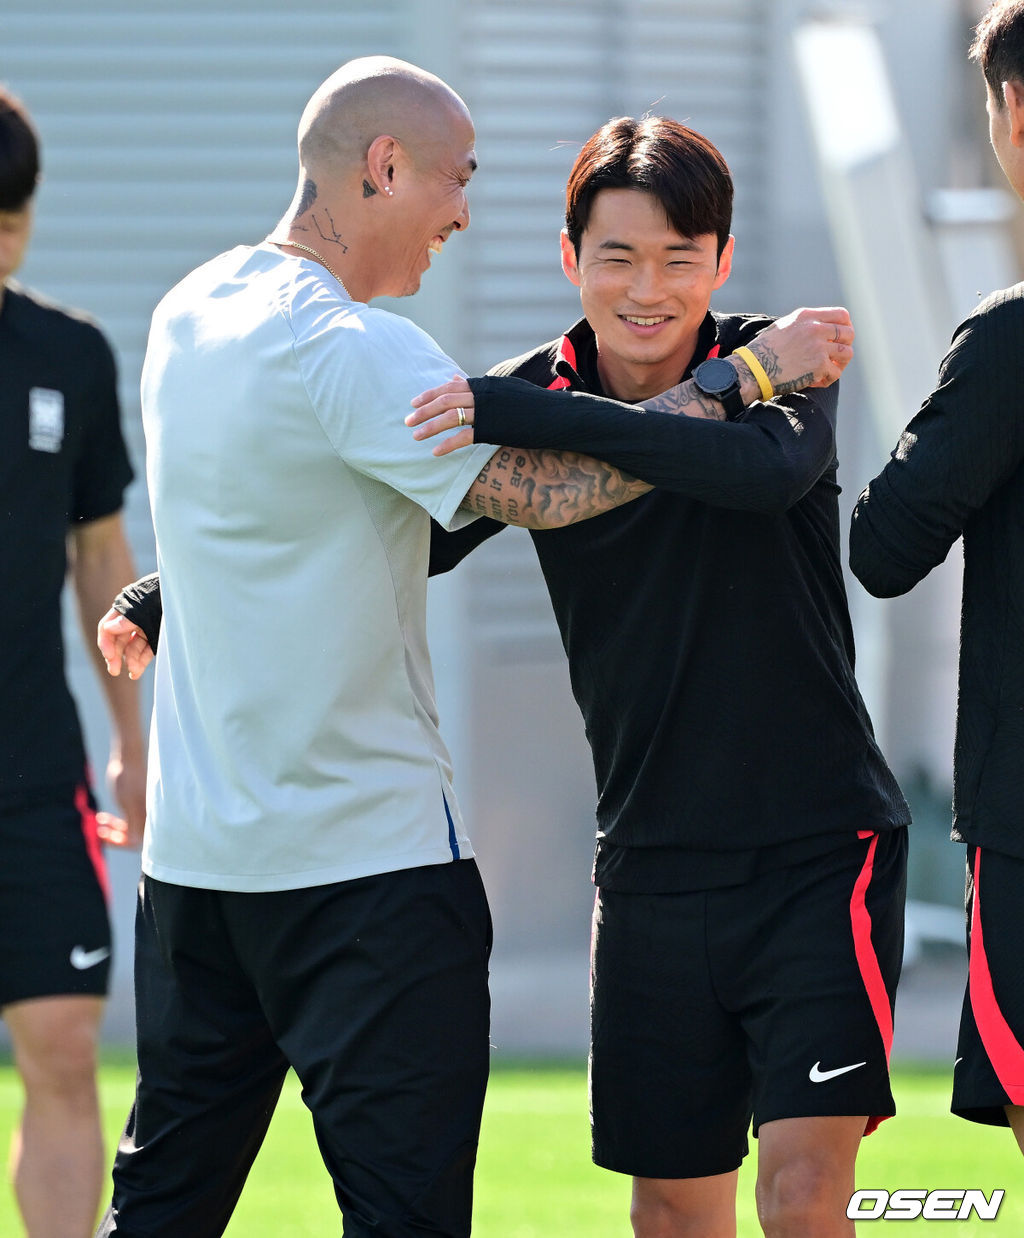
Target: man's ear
(1013, 99)
(569, 266)
(380, 163)
(725, 263)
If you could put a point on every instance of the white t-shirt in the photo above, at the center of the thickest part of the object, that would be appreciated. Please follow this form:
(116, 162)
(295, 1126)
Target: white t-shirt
(294, 738)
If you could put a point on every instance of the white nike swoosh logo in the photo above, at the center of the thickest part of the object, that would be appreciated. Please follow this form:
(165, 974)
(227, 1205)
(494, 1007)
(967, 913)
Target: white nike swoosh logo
(817, 1075)
(83, 959)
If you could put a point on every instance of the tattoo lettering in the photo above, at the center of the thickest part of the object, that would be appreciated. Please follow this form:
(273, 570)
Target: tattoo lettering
(548, 489)
(368, 190)
(796, 384)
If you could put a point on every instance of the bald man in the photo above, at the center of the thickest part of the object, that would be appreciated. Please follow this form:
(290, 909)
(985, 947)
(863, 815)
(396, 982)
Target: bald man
(309, 896)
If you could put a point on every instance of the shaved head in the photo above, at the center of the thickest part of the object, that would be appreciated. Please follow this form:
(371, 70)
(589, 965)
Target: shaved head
(368, 98)
(386, 151)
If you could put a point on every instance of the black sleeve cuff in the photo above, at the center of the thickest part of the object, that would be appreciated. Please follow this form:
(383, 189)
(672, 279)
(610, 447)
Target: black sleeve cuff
(141, 604)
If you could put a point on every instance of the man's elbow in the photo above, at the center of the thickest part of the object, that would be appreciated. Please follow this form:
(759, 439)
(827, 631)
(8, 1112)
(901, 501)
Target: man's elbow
(879, 572)
(782, 493)
(881, 583)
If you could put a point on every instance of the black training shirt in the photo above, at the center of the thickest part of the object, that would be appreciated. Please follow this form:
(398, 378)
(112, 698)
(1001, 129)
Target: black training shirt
(706, 623)
(958, 469)
(62, 461)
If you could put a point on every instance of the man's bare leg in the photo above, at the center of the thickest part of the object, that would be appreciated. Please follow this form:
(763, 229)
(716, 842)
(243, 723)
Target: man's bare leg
(57, 1162)
(685, 1207)
(1015, 1116)
(805, 1176)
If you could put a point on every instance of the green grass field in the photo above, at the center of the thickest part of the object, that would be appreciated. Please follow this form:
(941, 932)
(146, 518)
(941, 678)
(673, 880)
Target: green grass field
(535, 1179)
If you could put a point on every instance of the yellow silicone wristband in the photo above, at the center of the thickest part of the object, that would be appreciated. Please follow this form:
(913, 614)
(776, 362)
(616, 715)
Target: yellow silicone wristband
(757, 369)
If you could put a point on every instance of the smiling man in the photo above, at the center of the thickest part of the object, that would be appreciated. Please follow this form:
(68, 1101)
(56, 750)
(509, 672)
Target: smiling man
(751, 841)
(750, 853)
(309, 894)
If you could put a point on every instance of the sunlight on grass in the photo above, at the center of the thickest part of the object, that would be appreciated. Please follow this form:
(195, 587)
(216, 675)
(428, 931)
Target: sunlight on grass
(535, 1178)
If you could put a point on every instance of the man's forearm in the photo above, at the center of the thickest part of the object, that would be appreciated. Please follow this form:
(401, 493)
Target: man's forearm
(538, 489)
(765, 463)
(100, 564)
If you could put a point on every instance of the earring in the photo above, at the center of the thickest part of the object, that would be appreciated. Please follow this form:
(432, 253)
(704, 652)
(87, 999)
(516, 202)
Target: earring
(389, 191)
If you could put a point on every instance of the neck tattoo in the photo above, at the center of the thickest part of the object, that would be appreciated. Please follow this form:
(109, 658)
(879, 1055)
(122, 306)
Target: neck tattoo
(320, 258)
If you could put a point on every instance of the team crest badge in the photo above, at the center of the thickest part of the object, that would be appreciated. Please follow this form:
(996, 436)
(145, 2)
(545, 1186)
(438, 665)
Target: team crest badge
(45, 419)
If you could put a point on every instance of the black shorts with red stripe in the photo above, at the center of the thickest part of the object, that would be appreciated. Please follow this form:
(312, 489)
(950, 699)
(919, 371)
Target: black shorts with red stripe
(989, 1069)
(767, 1000)
(53, 897)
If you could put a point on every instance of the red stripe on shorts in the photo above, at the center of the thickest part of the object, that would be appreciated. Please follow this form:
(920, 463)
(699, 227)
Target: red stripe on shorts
(867, 958)
(90, 832)
(1003, 1048)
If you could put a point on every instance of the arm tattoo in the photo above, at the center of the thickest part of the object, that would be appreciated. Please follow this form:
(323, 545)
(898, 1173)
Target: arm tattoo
(368, 190)
(688, 400)
(769, 359)
(541, 489)
(795, 384)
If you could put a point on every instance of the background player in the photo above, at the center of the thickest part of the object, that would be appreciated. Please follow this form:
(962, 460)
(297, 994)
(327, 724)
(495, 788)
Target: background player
(63, 472)
(958, 471)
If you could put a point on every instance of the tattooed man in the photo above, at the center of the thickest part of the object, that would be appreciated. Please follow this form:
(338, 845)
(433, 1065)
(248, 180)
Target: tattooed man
(358, 366)
(751, 840)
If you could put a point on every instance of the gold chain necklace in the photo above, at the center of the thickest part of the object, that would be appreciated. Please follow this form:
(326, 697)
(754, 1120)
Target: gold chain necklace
(320, 258)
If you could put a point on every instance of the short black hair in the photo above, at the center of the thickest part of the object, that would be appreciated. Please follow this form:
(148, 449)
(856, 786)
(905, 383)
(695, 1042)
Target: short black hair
(999, 45)
(660, 156)
(19, 153)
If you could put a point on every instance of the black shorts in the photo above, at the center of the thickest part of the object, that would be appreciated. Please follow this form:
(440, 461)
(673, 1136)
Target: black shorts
(374, 990)
(772, 999)
(989, 1070)
(53, 898)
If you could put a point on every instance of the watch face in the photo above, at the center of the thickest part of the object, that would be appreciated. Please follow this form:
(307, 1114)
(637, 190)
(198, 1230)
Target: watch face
(715, 375)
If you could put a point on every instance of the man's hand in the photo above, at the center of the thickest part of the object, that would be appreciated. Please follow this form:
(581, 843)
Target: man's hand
(437, 411)
(807, 348)
(122, 642)
(126, 777)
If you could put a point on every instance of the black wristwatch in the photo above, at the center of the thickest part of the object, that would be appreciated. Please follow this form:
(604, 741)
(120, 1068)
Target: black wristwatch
(718, 379)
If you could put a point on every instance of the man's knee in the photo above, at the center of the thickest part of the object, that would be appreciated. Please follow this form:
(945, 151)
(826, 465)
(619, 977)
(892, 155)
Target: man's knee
(684, 1207)
(799, 1198)
(55, 1043)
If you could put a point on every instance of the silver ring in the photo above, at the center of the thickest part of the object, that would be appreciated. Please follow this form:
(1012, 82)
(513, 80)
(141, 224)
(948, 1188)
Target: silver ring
(462, 416)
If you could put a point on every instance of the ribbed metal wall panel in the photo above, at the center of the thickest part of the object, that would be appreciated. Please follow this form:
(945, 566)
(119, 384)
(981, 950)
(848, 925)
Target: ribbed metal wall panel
(169, 135)
(541, 76)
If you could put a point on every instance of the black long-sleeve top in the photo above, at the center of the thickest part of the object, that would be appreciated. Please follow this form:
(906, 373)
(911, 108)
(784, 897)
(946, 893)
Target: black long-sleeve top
(706, 624)
(958, 469)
